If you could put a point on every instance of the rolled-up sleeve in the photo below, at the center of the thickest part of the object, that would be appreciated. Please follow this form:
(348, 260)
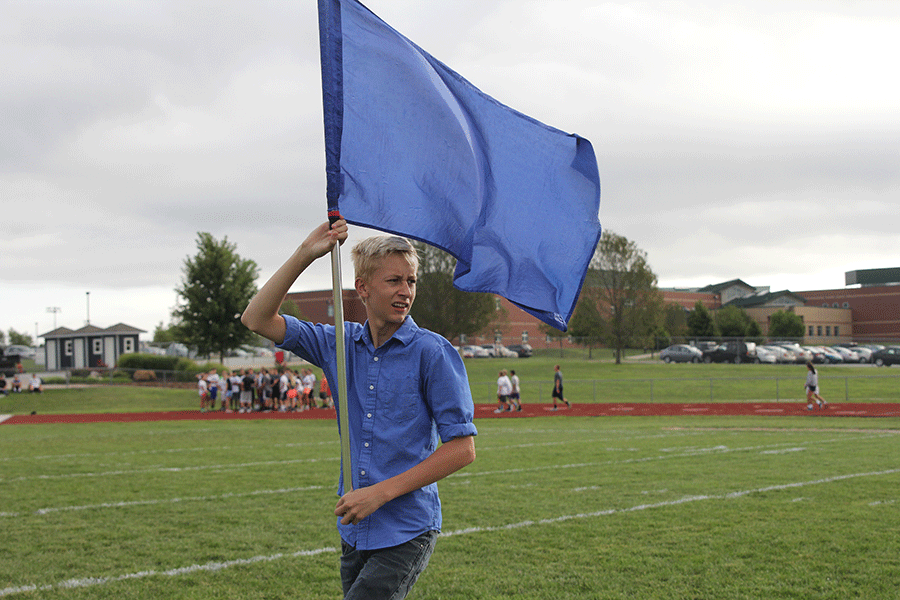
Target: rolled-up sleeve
(448, 393)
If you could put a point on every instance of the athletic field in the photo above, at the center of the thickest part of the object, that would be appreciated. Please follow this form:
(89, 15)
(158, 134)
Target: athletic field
(555, 506)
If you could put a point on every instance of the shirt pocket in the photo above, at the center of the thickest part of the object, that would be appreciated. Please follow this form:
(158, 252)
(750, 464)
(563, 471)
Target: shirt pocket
(402, 399)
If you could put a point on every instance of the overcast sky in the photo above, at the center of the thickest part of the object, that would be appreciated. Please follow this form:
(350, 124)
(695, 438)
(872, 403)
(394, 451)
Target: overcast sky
(757, 140)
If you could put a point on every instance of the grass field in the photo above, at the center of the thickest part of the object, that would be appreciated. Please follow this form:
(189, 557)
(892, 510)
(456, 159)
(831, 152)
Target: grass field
(601, 508)
(586, 381)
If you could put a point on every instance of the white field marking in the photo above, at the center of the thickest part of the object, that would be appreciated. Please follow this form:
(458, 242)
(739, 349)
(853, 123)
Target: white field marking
(166, 451)
(47, 511)
(218, 566)
(174, 469)
(882, 502)
(4, 417)
(685, 500)
(783, 451)
(690, 453)
(211, 566)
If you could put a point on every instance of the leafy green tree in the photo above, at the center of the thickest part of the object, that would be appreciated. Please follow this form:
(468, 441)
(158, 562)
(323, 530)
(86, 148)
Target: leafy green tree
(441, 307)
(19, 339)
(586, 324)
(2, 338)
(216, 287)
(163, 335)
(623, 288)
(784, 324)
(734, 322)
(700, 322)
(675, 320)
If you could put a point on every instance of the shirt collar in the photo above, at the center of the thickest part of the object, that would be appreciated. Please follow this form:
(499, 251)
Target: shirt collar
(404, 335)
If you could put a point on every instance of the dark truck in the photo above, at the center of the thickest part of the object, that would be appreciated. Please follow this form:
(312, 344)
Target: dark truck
(733, 352)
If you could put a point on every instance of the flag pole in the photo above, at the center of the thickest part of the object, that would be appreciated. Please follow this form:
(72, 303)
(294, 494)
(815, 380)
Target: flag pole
(341, 356)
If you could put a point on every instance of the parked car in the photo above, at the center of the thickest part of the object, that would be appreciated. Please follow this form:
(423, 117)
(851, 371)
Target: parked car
(523, 350)
(801, 355)
(499, 351)
(681, 353)
(474, 352)
(887, 357)
(736, 352)
(847, 354)
(831, 355)
(766, 354)
(865, 354)
(782, 354)
(22, 351)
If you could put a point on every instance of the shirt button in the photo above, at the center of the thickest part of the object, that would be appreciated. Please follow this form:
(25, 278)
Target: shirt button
(362, 472)
(369, 415)
(376, 359)
(371, 387)
(367, 444)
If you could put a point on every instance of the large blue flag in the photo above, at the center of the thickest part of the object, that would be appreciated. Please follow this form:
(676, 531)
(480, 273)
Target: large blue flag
(414, 149)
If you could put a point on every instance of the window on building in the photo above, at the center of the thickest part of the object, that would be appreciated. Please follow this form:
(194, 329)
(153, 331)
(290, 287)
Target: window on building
(819, 330)
(548, 339)
(811, 331)
(836, 305)
(498, 336)
(462, 339)
(524, 337)
(497, 306)
(828, 330)
(129, 345)
(824, 305)
(846, 305)
(98, 346)
(67, 347)
(836, 329)
(330, 310)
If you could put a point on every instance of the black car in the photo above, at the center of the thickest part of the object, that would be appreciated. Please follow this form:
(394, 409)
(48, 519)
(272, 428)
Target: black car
(887, 356)
(523, 350)
(733, 352)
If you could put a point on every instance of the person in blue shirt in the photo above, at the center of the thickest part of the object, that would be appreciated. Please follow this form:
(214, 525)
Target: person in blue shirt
(407, 388)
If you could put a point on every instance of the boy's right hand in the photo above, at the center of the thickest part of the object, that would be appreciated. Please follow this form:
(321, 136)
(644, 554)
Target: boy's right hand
(323, 238)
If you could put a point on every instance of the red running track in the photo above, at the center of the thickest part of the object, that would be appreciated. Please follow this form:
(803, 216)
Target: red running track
(484, 411)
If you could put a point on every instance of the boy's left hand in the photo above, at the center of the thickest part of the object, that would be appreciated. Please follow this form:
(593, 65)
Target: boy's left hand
(355, 506)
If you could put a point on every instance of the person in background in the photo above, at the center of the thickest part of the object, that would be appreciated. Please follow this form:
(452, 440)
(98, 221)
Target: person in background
(202, 391)
(504, 389)
(36, 386)
(514, 394)
(812, 388)
(558, 388)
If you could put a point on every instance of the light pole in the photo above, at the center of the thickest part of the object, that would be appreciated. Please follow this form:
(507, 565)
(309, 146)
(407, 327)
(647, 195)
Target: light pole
(88, 321)
(54, 310)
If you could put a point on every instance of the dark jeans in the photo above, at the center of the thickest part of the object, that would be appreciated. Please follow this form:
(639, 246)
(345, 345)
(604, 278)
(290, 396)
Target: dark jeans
(385, 574)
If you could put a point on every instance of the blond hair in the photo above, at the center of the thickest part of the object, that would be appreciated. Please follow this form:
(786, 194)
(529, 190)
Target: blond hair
(368, 253)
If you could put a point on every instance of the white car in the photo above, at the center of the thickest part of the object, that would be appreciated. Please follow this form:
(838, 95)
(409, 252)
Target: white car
(23, 351)
(765, 354)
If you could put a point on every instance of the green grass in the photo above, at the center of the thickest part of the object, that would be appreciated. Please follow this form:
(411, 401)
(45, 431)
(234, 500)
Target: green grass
(597, 508)
(586, 381)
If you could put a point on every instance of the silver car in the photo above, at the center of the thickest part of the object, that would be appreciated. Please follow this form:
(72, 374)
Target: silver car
(681, 353)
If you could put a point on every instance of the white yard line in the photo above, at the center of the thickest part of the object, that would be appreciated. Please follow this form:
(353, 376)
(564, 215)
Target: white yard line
(218, 566)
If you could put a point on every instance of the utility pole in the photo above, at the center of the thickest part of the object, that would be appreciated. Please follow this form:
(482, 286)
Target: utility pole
(88, 321)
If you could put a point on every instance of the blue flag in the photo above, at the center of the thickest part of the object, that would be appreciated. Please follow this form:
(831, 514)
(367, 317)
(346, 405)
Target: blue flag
(414, 149)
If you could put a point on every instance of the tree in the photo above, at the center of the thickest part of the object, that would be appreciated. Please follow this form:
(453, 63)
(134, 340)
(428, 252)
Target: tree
(783, 324)
(19, 339)
(734, 322)
(700, 322)
(216, 288)
(586, 324)
(164, 335)
(441, 307)
(623, 288)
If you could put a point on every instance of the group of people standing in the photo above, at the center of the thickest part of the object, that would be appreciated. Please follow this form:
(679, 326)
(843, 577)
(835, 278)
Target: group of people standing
(509, 397)
(243, 391)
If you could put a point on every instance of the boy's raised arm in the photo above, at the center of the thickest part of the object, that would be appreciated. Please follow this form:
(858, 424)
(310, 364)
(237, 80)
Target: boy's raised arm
(261, 315)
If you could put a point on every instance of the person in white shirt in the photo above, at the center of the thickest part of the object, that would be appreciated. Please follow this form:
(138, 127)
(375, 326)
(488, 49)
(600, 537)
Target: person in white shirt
(812, 388)
(514, 394)
(504, 389)
(36, 386)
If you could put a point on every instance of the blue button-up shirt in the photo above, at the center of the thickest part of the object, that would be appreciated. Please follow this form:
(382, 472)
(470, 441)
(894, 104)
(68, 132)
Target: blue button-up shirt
(401, 397)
